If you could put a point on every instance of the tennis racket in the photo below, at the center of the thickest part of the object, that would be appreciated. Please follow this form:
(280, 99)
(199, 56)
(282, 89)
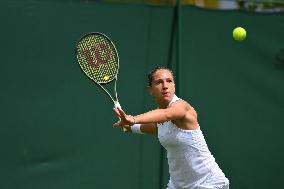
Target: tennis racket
(98, 59)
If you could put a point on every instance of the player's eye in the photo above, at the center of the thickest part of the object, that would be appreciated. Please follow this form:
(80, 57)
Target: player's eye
(158, 82)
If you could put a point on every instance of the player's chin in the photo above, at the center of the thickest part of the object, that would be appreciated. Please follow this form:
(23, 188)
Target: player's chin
(166, 96)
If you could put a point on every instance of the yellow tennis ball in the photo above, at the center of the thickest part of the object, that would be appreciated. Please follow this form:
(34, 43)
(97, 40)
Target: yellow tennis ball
(106, 77)
(239, 33)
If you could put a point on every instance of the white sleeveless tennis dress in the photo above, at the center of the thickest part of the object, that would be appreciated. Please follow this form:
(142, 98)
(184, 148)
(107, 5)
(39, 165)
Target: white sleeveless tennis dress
(191, 165)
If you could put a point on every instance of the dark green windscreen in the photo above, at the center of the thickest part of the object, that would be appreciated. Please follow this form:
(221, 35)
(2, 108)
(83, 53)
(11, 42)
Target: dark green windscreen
(56, 124)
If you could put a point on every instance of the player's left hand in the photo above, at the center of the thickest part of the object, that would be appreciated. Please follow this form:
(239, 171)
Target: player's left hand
(125, 120)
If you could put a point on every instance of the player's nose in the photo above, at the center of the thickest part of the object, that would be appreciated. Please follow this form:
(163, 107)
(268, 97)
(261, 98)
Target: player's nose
(165, 85)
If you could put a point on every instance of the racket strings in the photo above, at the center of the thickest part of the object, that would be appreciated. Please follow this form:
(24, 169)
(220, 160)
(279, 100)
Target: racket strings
(98, 58)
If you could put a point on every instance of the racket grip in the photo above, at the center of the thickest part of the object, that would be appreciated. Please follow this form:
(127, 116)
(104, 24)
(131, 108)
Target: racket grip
(117, 105)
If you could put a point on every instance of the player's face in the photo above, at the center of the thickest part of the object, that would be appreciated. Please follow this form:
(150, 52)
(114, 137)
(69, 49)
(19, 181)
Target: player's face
(163, 86)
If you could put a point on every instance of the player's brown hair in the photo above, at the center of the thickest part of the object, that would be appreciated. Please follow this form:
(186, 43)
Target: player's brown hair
(152, 72)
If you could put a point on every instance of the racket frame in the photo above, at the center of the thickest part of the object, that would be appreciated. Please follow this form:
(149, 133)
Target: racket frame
(115, 101)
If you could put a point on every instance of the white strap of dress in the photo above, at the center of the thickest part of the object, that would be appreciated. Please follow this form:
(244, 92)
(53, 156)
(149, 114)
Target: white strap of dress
(175, 98)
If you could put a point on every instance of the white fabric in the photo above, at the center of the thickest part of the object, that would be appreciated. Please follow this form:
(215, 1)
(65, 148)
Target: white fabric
(136, 129)
(191, 164)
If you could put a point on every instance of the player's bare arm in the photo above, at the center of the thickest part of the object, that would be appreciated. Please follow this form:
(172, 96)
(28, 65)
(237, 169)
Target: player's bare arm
(179, 112)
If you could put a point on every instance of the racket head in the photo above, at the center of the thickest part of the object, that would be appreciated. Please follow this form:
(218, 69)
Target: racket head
(97, 57)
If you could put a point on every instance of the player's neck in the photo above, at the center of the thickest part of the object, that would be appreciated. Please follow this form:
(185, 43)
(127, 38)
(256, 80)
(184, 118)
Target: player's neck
(162, 104)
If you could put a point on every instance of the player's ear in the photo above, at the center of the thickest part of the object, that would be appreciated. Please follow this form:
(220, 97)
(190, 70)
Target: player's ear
(149, 89)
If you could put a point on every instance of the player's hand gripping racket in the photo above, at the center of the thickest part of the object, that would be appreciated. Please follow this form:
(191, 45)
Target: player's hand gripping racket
(98, 58)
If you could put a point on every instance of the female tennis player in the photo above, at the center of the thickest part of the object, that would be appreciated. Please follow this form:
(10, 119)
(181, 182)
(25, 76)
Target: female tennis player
(191, 165)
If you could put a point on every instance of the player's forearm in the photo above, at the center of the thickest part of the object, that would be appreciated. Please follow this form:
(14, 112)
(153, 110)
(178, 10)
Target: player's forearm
(149, 128)
(154, 116)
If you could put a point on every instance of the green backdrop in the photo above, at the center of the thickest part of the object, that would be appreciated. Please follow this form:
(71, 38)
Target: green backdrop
(56, 125)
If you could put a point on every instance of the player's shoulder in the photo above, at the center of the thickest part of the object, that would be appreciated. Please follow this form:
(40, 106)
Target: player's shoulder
(181, 103)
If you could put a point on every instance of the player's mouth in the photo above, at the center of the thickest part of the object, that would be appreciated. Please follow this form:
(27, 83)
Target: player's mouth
(166, 94)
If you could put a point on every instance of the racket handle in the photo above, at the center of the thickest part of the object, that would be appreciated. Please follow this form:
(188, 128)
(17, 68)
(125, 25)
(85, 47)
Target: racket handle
(117, 105)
